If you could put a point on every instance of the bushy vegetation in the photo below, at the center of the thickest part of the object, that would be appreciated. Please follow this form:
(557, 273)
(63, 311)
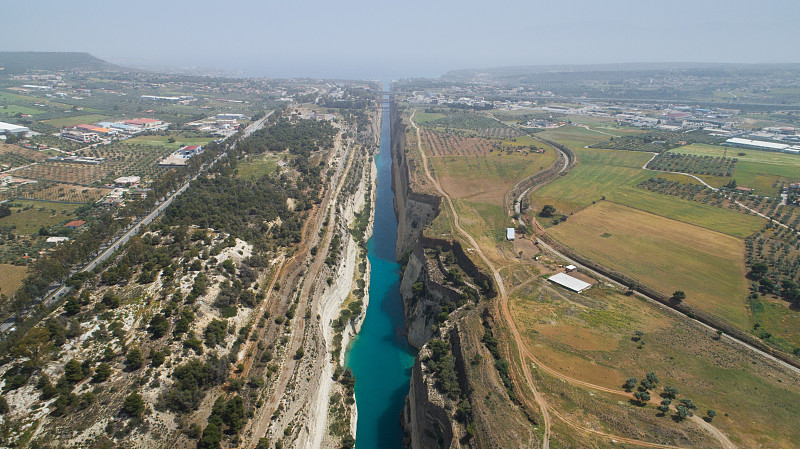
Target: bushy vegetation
(493, 345)
(443, 365)
(300, 138)
(192, 379)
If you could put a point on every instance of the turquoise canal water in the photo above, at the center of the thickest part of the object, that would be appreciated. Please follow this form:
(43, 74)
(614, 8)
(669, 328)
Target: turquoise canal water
(380, 357)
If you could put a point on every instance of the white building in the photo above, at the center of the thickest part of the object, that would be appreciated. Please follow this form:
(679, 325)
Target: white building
(757, 144)
(230, 117)
(10, 128)
(510, 234)
(569, 282)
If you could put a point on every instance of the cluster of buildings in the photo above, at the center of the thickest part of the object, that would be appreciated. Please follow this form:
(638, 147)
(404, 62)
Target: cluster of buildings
(221, 125)
(477, 102)
(107, 130)
(181, 157)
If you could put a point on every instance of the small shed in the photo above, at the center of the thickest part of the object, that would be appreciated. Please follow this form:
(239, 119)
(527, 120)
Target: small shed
(569, 282)
(509, 233)
(570, 268)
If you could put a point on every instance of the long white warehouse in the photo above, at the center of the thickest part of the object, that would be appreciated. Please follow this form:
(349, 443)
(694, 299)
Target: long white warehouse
(569, 282)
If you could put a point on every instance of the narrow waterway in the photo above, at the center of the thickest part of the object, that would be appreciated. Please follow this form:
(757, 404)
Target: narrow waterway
(380, 357)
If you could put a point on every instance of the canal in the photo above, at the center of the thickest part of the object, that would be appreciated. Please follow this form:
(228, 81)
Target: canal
(380, 356)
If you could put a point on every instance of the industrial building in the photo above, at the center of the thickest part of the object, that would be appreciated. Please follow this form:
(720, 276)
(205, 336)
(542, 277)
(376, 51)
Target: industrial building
(79, 135)
(762, 145)
(569, 282)
(10, 128)
(181, 157)
(230, 117)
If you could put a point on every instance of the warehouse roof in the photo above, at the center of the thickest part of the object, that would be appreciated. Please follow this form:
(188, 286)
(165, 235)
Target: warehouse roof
(569, 282)
(757, 143)
(12, 128)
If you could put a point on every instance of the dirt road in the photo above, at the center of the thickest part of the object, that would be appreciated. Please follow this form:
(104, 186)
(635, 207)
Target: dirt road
(522, 348)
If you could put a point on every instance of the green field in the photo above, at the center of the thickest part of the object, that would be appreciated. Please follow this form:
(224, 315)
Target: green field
(163, 141)
(614, 174)
(13, 109)
(64, 122)
(758, 170)
(573, 136)
(523, 141)
(29, 216)
(604, 125)
(259, 165)
(424, 117)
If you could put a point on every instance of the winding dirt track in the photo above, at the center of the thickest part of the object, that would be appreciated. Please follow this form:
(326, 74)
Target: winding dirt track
(525, 353)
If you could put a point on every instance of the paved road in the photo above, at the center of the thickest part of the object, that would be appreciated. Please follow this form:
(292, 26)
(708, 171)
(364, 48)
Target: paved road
(53, 297)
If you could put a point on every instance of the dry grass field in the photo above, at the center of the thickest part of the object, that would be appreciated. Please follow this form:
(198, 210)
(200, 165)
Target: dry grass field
(589, 337)
(11, 277)
(666, 254)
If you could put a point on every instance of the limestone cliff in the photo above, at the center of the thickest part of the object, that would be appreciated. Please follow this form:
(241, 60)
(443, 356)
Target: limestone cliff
(441, 289)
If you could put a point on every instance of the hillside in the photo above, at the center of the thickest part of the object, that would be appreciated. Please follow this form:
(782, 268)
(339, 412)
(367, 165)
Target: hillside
(16, 62)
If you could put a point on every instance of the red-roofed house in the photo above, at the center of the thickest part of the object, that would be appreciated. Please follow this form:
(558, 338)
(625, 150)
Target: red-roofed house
(75, 224)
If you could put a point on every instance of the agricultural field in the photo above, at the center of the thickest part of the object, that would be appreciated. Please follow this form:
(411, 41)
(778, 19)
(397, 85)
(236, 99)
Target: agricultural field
(65, 122)
(122, 159)
(80, 174)
(592, 337)
(478, 184)
(615, 175)
(13, 110)
(52, 191)
(260, 165)
(657, 141)
(665, 254)
(771, 207)
(696, 165)
(178, 141)
(574, 136)
(16, 156)
(28, 216)
(606, 125)
(762, 171)
(774, 297)
(452, 144)
(474, 122)
(11, 277)
(424, 117)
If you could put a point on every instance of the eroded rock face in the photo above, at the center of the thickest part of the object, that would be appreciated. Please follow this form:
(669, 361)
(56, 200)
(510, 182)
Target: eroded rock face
(426, 418)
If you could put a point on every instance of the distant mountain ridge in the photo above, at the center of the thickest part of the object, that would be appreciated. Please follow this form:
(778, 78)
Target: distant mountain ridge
(17, 62)
(516, 71)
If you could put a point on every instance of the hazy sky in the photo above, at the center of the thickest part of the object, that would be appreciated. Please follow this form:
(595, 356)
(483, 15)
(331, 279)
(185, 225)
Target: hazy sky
(359, 38)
